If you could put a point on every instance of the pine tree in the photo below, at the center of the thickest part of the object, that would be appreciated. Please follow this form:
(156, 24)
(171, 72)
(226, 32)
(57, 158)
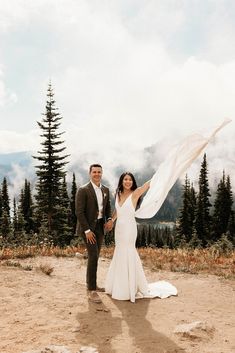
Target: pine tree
(192, 209)
(184, 227)
(231, 227)
(72, 204)
(202, 217)
(0, 203)
(222, 207)
(230, 196)
(26, 206)
(18, 225)
(5, 197)
(63, 220)
(187, 212)
(5, 222)
(50, 171)
(15, 218)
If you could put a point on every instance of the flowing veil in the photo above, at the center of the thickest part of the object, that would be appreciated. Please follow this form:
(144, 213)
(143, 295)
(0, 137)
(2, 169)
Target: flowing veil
(175, 164)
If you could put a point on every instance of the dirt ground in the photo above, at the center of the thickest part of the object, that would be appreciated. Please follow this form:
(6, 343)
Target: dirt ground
(37, 310)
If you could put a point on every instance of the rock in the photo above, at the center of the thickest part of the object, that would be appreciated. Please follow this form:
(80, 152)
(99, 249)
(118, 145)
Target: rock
(195, 330)
(87, 349)
(51, 349)
(79, 255)
(77, 328)
(82, 256)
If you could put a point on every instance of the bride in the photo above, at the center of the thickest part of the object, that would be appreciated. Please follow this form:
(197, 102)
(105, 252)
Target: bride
(126, 279)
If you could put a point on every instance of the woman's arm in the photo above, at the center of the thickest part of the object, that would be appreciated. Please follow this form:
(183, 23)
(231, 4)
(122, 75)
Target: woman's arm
(140, 191)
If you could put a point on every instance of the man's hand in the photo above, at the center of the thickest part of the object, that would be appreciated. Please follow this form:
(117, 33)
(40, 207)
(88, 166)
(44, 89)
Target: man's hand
(108, 225)
(90, 237)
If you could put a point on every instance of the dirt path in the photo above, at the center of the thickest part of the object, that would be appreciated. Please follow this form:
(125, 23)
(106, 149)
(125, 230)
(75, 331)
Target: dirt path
(37, 310)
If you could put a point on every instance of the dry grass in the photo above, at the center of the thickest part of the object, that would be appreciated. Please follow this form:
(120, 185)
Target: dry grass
(46, 268)
(177, 260)
(17, 264)
(185, 260)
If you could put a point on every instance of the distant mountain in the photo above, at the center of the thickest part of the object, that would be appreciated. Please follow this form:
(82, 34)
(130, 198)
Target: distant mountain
(21, 158)
(9, 162)
(18, 166)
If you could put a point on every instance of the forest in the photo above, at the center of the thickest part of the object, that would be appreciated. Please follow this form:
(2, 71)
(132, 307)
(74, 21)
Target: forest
(47, 214)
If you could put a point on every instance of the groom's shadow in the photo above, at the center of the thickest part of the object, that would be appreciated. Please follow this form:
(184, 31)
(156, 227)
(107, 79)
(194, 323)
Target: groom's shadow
(98, 327)
(144, 338)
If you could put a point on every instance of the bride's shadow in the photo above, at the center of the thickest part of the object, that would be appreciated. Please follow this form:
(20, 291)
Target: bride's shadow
(144, 338)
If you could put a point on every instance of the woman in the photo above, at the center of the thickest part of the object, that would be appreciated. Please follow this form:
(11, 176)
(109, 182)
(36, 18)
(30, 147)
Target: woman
(126, 279)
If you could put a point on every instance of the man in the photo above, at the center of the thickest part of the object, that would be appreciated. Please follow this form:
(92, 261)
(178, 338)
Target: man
(93, 211)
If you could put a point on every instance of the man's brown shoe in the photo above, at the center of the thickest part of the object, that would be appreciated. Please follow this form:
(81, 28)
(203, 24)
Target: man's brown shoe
(93, 297)
(100, 289)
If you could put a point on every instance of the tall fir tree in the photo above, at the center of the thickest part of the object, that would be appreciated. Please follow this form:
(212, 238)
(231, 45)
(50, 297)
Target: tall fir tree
(72, 204)
(230, 195)
(0, 202)
(187, 213)
(51, 170)
(5, 221)
(202, 216)
(26, 206)
(15, 218)
(185, 226)
(63, 221)
(5, 197)
(231, 227)
(222, 207)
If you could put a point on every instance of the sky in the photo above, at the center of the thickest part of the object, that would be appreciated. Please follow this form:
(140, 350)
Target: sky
(126, 75)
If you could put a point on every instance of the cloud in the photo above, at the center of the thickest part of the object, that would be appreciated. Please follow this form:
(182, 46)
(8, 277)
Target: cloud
(11, 141)
(126, 75)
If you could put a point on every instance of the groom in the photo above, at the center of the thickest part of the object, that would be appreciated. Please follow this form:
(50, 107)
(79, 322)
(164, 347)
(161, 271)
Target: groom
(94, 216)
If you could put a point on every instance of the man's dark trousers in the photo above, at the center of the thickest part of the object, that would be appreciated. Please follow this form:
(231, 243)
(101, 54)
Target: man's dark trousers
(93, 255)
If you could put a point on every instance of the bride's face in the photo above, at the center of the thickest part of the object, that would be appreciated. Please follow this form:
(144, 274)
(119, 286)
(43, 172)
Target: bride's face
(127, 182)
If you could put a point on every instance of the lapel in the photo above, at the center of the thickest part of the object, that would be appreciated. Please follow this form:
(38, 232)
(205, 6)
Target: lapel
(104, 193)
(92, 193)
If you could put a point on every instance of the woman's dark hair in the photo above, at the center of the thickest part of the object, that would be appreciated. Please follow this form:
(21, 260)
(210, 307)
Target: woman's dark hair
(120, 182)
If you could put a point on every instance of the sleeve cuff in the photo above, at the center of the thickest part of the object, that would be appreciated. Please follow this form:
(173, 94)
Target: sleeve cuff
(87, 231)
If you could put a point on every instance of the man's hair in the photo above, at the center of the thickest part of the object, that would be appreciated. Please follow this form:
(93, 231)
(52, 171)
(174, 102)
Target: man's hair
(94, 165)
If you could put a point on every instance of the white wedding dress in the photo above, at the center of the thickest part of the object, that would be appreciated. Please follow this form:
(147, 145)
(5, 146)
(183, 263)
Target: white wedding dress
(126, 279)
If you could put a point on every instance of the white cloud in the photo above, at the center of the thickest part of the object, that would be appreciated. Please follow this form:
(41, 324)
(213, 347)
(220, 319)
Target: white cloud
(11, 141)
(126, 74)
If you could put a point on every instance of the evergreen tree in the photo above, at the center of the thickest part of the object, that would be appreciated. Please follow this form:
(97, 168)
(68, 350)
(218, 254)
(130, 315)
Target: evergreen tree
(15, 218)
(231, 228)
(187, 212)
(230, 196)
(195, 242)
(26, 206)
(222, 207)
(63, 221)
(0, 203)
(72, 204)
(50, 171)
(18, 225)
(5, 197)
(202, 217)
(5, 222)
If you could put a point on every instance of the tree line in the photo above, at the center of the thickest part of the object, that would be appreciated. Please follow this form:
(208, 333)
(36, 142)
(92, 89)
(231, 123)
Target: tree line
(48, 216)
(200, 224)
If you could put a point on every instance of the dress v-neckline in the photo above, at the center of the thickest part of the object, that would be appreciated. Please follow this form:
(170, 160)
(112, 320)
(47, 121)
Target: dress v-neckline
(124, 201)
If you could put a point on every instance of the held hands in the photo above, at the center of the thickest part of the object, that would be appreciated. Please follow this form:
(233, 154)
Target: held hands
(108, 225)
(90, 237)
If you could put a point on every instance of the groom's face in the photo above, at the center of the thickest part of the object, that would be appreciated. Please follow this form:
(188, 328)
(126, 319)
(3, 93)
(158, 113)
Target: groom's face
(96, 175)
